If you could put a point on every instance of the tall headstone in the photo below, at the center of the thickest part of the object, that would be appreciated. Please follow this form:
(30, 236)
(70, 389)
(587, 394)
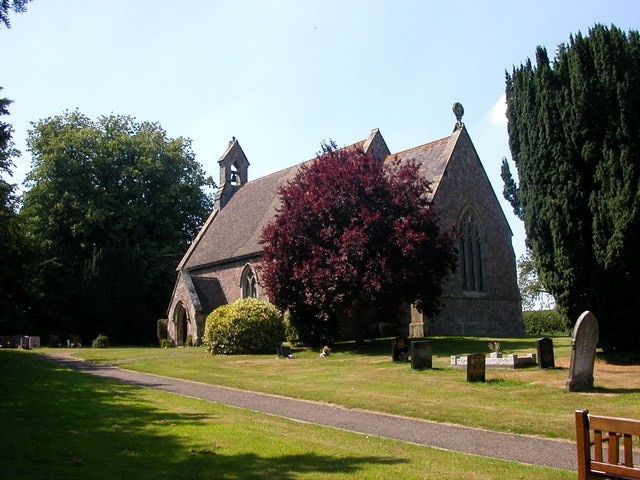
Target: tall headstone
(584, 340)
(476, 367)
(546, 358)
(421, 355)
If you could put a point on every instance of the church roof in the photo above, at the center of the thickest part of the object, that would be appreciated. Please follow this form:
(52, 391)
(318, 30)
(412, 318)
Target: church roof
(209, 292)
(433, 159)
(233, 232)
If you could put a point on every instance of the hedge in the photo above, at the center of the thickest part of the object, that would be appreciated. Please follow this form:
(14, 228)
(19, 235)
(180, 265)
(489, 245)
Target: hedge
(545, 322)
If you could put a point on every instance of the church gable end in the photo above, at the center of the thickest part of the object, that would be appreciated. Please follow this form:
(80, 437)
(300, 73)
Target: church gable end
(376, 144)
(482, 296)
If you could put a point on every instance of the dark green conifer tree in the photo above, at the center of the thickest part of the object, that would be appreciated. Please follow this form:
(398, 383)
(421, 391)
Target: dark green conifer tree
(574, 135)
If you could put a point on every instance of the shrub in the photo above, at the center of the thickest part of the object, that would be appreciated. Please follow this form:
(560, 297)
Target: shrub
(167, 343)
(245, 326)
(162, 329)
(101, 341)
(545, 322)
(290, 330)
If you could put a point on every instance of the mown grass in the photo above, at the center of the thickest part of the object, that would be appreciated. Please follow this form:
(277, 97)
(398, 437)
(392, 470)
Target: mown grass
(60, 424)
(526, 401)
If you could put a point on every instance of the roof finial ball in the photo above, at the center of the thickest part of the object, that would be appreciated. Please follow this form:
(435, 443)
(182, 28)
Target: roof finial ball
(458, 111)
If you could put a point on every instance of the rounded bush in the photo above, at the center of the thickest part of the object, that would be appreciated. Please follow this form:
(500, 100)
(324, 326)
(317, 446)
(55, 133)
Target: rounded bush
(245, 326)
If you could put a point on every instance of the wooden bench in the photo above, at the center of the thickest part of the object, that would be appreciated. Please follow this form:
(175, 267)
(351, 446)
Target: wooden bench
(609, 435)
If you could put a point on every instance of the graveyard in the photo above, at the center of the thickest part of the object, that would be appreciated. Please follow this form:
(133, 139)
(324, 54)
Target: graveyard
(367, 377)
(85, 425)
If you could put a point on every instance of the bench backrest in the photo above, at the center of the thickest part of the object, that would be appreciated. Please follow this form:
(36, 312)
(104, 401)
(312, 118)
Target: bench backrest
(610, 435)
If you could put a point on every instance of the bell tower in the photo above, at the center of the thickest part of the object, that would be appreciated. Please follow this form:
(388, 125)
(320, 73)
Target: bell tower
(234, 168)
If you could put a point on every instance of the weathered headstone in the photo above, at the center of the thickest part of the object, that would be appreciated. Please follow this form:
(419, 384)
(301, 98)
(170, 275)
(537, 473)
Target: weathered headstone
(583, 353)
(476, 367)
(546, 358)
(54, 340)
(421, 354)
(399, 350)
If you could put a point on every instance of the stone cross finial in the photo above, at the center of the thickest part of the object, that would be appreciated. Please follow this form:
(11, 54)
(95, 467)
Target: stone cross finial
(458, 111)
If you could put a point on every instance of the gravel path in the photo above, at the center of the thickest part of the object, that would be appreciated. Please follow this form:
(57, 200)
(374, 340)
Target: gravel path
(520, 448)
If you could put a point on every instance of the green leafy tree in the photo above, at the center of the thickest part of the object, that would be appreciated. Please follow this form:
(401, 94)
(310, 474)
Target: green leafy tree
(6, 6)
(574, 134)
(111, 205)
(14, 295)
(533, 293)
(13, 252)
(354, 233)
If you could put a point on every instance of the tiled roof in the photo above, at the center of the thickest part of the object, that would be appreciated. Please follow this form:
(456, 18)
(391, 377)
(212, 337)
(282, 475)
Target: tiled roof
(209, 292)
(234, 231)
(432, 157)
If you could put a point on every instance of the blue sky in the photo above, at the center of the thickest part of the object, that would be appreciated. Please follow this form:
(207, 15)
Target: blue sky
(282, 76)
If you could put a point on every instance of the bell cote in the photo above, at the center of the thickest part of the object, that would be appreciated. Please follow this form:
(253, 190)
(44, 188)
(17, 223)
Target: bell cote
(234, 168)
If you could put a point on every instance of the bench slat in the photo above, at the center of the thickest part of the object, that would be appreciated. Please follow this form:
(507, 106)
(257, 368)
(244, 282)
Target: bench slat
(628, 450)
(613, 447)
(597, 439)
(620, 471)
(614, 424)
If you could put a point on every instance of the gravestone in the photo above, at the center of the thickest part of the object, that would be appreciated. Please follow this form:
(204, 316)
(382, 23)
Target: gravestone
(546, 359)
(476, 367)
(421, 354)
(399, 350)
(583, 353)
(283, 351)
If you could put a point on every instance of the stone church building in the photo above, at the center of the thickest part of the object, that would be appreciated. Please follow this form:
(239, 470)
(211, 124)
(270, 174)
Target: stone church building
(480, 299)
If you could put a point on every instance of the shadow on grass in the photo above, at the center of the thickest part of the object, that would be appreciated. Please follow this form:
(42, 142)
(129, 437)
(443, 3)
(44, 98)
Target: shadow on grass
(283, 467)
(613, 390)
(620, 358)
(442, 346)
(58, 423)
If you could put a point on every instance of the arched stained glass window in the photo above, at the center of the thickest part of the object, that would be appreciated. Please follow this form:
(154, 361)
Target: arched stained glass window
(470, 251)
(249, 282)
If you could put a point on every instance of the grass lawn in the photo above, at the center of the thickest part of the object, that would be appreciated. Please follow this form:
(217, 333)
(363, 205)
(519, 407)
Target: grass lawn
(59, 424)
(527, 401)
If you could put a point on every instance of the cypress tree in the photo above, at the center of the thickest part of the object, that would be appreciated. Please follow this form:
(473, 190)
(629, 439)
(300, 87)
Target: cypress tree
(574, 137)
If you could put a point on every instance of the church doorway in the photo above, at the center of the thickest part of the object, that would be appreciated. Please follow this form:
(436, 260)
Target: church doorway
(182, 325)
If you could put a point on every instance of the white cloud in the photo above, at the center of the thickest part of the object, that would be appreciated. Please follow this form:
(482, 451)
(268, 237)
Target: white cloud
(499, 111)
